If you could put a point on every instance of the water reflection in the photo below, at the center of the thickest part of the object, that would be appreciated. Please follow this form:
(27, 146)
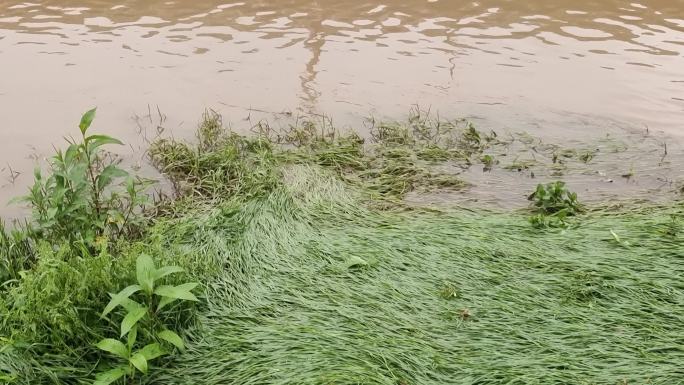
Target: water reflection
(636, 33)
(542, 66)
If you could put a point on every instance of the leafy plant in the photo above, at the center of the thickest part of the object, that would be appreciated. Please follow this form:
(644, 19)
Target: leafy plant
(541, 221)
(143, 317)
(80, 199)
(553, 203)
(554, 198)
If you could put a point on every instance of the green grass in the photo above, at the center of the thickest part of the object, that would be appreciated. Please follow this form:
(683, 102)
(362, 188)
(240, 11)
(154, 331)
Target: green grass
(319, 290)
(307, 281)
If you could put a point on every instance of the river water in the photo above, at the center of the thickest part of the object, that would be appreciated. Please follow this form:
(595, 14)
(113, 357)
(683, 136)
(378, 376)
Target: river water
(557, 68)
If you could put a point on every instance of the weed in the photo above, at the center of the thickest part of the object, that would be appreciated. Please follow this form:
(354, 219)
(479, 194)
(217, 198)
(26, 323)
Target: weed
(542, 221)
(553, 198)
(553, 203)
(264, 220)
(54, 303)
(226, 164)
(143, 317)
(82, 198)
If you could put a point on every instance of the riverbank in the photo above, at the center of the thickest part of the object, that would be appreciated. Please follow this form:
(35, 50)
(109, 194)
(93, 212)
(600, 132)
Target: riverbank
(315, 268)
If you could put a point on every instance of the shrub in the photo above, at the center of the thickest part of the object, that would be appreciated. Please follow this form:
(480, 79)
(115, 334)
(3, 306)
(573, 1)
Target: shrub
(553, 198)
(83, 197)
(56, 304)
(143, 318)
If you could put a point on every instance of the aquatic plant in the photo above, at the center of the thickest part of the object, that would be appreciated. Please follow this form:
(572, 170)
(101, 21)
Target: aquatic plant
(555, 198)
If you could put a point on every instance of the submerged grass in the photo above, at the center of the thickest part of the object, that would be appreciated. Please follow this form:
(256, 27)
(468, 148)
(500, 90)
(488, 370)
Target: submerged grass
(305, 282)
(321, 290)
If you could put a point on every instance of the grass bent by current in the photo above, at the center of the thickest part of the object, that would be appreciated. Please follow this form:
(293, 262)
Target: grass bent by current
(313, 271)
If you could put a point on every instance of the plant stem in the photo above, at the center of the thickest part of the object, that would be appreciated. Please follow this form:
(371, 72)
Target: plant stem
(93, 181)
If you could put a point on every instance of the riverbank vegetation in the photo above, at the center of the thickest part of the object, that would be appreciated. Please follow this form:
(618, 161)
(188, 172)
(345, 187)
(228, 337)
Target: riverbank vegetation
(290, 256)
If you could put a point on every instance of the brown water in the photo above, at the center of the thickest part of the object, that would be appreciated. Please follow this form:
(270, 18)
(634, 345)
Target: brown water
(563, 69)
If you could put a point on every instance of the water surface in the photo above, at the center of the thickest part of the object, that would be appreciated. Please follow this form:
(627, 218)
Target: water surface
(556, 68)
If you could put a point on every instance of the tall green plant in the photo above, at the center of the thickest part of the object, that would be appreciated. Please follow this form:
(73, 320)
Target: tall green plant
(83, 196)
(143, 317)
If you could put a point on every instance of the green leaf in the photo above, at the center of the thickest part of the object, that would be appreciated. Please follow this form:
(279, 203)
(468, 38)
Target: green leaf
(144, 271)
(106, 378)
(172, 338)
(131, 319)
(130, 186)
(87, 120)
(178, 292)
(119, 298)
(108, 174)
(113, 346)
(152, 351)
(140, 362)
(95, 141)
(71, 153)
(165, 301)
(102, 138)
(132, 336)
(130, 305)
(166, 270)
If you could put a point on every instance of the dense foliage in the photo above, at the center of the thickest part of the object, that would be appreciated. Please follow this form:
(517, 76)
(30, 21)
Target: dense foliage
(313, 270)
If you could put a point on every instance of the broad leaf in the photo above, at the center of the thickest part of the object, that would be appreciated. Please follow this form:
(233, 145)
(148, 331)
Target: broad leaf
(71, 153)
(87, 120)
(166, 270)
(131, 319)
(179, 292)
(145, 270)
(113, 346)
(95, 141)
(165, 301)
(152, 351)
(119, 298)
(132, 336)
(106, 378)
(108, 174)
(172, 338)
(130, 305)
(140, 362)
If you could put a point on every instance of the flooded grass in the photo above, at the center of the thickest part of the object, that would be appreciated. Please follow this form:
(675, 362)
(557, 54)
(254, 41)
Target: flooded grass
(331, 292)
(316, 271)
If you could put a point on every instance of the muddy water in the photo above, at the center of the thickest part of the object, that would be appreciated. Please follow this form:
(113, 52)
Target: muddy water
(561, 69)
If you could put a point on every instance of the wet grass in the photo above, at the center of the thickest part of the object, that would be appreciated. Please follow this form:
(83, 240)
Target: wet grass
(321, 290)
(397, 159)
(314, 272)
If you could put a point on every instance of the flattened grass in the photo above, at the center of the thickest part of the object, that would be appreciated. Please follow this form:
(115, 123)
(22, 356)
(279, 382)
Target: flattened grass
(320, 290)
(307, 283)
